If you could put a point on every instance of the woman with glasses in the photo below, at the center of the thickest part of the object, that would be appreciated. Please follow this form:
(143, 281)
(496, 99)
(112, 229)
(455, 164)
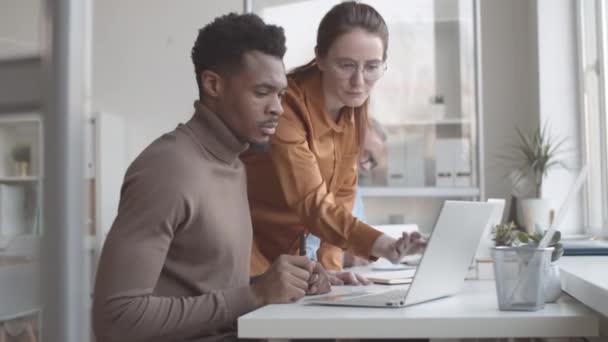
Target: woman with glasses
(306, 180)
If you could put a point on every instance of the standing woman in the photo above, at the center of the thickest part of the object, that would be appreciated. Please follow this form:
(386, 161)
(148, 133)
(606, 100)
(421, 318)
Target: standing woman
(306, 181)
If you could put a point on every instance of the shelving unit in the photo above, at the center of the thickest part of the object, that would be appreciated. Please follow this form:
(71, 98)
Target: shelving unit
(27, 179)
(21, 191)
(433, 140)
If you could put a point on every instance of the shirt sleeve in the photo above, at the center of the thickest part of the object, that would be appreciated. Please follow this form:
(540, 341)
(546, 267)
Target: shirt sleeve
(330, 256)
(305, 190)
(259, 263)
(150, 213)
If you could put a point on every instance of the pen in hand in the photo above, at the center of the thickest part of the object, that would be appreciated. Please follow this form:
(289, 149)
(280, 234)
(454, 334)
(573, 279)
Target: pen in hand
(302, 243)
(313, 286)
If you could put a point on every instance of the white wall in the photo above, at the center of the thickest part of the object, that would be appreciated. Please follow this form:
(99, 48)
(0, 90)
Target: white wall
(558, 96)
(20, 71)
(20, 22)
(20, 85)
(141, 62)
(509, 80)
(530, 76)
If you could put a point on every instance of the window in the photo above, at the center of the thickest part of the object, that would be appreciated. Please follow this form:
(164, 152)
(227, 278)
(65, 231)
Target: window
(593, 65)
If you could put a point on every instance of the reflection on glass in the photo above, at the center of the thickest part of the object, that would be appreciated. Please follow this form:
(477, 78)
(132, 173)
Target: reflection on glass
(426, 99)
(592, 106)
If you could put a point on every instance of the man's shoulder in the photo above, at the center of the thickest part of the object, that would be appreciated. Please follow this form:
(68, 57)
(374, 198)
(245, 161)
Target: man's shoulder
(171, 156)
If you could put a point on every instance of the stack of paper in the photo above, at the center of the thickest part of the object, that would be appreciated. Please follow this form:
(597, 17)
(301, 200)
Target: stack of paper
(391, 277)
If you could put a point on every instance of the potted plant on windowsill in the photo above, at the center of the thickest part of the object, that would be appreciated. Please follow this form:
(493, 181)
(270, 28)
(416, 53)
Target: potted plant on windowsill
(535, 154)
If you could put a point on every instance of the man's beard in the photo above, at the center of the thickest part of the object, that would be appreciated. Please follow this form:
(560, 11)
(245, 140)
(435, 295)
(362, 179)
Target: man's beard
(260, 147)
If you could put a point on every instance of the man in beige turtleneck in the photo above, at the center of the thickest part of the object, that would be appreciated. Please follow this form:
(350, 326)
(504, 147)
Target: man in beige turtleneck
(175, 265)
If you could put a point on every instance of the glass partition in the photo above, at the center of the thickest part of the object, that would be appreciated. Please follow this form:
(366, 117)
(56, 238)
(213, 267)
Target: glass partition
(426, 101)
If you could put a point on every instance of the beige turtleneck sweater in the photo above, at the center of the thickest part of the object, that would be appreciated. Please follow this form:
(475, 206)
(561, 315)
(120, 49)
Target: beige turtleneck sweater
(175, 265)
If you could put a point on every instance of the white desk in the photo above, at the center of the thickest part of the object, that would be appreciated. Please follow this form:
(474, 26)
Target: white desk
(586, 279)
(473, 313)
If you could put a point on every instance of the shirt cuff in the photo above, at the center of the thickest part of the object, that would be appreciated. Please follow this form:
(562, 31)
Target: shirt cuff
(363, 238)
(239, 301)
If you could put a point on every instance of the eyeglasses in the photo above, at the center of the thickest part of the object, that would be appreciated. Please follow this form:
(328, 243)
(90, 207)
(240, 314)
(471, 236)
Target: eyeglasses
(371, 71)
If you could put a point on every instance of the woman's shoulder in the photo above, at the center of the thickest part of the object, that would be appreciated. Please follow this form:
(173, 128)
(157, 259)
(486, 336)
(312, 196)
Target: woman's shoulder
(295, 88)
(302, 80)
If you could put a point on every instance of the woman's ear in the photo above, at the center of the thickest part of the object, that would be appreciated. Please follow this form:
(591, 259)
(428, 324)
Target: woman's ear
(321, 63)
(211, 83)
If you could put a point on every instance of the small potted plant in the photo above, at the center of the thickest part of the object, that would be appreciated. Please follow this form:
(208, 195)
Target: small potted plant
(21, 154)
(552, 281)
(525, 274)
(535, 154)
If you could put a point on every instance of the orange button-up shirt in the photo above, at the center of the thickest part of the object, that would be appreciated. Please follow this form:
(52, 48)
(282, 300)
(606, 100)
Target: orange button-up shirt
(307, 181)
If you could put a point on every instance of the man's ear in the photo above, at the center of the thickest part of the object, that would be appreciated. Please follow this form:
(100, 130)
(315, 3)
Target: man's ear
(212, 83)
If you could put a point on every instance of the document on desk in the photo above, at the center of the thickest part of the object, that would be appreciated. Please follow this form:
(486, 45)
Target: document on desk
(391, 277)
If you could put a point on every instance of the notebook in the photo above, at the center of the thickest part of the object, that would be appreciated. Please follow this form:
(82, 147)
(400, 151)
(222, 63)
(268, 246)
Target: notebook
(392, 277)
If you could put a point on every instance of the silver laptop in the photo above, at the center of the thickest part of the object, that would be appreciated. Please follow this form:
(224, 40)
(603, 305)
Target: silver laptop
(443, 266)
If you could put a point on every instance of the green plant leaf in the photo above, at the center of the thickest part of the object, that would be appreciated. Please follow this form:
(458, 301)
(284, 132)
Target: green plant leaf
(556, 238)
(535, 154)
(523, 237)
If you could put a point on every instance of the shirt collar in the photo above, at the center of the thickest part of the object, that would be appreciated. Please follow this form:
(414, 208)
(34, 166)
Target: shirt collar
(211, 132)
(312, 89)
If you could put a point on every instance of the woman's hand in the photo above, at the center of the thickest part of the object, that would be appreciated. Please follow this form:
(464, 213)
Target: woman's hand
(347, 278)
(394, 250)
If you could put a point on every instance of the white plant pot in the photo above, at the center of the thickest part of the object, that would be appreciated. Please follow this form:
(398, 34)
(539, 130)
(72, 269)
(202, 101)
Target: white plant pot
(552, 283)
(534, 211)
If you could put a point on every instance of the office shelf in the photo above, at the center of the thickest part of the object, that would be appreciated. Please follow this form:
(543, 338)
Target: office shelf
(12, 180)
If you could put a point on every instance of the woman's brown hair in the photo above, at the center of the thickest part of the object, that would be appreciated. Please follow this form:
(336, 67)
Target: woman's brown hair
(341, 19)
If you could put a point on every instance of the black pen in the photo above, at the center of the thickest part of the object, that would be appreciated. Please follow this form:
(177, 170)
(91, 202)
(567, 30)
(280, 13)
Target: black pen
(303, 243)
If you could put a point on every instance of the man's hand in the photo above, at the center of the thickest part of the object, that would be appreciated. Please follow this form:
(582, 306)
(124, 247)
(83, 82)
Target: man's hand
(319, 282)
(394, 250)
(287, 280)
(347, 278)
(351, 260)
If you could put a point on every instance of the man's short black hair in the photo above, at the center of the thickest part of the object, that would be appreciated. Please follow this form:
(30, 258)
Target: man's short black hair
(221, 44)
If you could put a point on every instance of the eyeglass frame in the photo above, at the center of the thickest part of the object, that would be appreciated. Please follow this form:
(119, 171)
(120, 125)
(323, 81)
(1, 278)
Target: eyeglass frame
(335, 67)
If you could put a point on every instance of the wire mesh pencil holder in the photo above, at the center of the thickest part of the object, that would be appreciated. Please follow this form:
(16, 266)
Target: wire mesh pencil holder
(519, 273)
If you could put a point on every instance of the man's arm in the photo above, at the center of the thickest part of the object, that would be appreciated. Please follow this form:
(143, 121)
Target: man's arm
(152, 210)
